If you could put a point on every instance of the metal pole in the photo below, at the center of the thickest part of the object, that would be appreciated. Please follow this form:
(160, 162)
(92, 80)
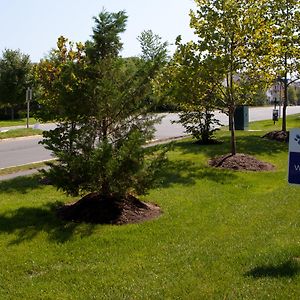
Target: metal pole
(28, 99)
(280, 100)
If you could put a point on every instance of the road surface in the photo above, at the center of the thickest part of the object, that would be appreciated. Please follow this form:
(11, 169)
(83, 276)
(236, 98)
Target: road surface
(14, 152)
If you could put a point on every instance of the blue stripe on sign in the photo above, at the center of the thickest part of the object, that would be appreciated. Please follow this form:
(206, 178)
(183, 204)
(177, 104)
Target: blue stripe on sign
(294, 168)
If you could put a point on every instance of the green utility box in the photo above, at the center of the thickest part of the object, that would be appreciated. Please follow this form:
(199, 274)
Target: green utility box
(241, 117)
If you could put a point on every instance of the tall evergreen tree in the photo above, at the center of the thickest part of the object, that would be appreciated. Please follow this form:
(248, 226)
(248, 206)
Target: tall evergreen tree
(103, 123)
(153, 47)
(106, 39)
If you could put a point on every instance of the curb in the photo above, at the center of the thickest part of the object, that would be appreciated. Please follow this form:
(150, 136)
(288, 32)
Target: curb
(21, 138)
(34, 171)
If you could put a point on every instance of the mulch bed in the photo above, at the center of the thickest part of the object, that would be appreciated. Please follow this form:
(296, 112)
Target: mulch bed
(241, 162)
(277, 135)
(92, 208)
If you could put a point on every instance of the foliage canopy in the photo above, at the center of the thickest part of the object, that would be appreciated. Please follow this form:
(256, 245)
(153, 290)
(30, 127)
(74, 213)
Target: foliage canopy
(15, 77)
(103, 121)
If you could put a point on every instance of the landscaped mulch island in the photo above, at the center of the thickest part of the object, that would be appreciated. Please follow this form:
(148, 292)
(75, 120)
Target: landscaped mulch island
(94, 209)
(277, 135)
(241, 162)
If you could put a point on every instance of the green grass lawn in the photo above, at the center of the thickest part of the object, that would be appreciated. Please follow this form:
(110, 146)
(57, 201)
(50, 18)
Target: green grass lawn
(222, 235)
(22, 132)
(17, 122)
(12, 170)
(268, 125)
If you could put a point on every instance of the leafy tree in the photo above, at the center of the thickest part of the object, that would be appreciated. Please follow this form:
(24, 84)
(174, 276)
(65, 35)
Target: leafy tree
(285, 17)
(154, 50)
(181, 82)
(153, 47)
(292, 95)
(15, 76)
(298, 95)
(232, 47)
(200, 123)
(97, 102)
(260, 97)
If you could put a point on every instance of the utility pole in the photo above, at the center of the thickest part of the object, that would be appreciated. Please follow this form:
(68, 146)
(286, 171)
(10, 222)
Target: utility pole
(28, 99)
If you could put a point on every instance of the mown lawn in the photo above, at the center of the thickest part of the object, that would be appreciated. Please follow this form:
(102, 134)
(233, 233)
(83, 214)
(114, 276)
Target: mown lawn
(22, 132)
(268, 125)
(16, 122)
(13, 170)
(222, 235)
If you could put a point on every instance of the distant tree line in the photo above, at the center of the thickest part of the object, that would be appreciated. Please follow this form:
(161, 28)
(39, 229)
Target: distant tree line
(15, 77)
(17, 73)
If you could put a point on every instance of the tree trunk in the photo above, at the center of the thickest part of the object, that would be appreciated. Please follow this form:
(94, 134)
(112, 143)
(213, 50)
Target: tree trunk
(285, 93)
(232, 132)
(12, 113)
(285, 103)
(104, 130)
(205, 133)
(72, 132)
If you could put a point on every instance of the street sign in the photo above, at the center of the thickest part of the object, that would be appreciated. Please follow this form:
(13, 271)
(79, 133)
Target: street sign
(294, 156)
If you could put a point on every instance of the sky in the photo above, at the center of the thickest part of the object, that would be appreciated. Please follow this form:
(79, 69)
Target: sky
(33, 26)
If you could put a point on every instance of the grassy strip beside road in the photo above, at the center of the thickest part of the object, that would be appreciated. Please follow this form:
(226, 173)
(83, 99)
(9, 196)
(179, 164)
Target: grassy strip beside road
(293, 121)
(22, 132)
(18, 122)
(11, 170)
(223, 234)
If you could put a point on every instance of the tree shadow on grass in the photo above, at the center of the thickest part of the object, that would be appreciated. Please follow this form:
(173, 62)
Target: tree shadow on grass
(26, 223)
(289, 268)
(23, 184)
(257, 145)
(191, 147)
(252, 144)
(185, 172)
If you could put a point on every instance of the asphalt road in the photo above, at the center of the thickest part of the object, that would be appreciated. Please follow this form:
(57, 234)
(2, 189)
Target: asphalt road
(14, 152)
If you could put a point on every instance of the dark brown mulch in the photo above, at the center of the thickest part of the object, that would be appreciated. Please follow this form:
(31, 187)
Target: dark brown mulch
(240, 161)
(209, 142)
(92, 208)
(277, 135)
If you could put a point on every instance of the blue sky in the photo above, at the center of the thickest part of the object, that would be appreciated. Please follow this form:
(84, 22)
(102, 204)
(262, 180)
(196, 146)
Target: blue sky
(33, 26)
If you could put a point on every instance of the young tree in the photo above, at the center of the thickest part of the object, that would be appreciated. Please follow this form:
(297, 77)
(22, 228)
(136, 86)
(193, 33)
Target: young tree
(183, 82)
(232, 46)
(285, 17)
(97, 102)
(292, 95)
(153, 47)
(260, 98)
(15, 70)
(154, 50)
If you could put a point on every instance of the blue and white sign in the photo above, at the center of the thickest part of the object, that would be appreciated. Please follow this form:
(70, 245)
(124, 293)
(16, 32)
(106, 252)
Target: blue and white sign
(294, 156)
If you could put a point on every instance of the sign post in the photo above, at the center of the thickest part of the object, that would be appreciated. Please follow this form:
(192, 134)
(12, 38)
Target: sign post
(294, 156)
(28, 99)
